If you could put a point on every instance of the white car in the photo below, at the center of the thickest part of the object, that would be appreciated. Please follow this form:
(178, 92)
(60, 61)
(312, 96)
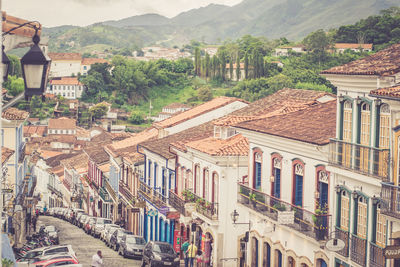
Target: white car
(110, 232)
(106, 229)
(99, 226)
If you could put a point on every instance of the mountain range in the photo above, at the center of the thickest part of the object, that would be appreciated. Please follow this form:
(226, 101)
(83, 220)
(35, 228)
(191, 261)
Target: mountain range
(293, 19)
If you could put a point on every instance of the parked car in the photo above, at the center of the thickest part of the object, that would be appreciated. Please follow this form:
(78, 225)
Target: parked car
(56, 262)
(48, 251)
(99, 226)
(104, 231)
(131, 246)
(158, 253)
(89, 225)
(34, 253)
(109, 233)
(82, 220)
(116, 238)
(75, 220)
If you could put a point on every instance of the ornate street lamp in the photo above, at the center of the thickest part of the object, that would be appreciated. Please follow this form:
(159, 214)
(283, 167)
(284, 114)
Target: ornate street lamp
(234, 216)
(35, 69)
(6, 64)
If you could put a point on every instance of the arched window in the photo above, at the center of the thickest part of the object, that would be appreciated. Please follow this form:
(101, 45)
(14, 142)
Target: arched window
(384, 126)
(365, 124)
(347, 120)
(298, 174)
(215, 181)
(276, 174)
(362, 208)
(266, 255)
(344, 210)
(254, 248)
(189, 180)
(197, 179)
(322, 187)
(380, 227)
(278, 258)
(257, 170)
(205, 183)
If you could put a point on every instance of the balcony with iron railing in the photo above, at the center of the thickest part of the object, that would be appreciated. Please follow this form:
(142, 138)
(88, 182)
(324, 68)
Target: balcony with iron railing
(358, 249)
(153, 195)
(177, 202)
(207, 209)
(358, 158)
(306, 222)
(104, 195)
(54, 190)
(343, 235)
(125, 191)
(390, 195)
(376, 256)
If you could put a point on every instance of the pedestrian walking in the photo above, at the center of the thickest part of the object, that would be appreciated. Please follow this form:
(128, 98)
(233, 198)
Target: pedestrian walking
(34, 221)
(192, 252)
(97, 259)
(184, 250)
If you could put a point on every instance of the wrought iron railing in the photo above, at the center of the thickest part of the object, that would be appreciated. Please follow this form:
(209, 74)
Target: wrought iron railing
(158, 199)
(208, 209)
(376, 256)
(363, 159)
(306, 222)
(145, 190)
(177, 202)
(104, 195)
(54, 190)
(125, 191)
(110, 190)
(343, 235)
(390, 195)
(358, 250)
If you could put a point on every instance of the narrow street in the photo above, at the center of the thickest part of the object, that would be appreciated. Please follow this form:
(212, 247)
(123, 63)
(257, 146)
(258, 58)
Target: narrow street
(85, 246)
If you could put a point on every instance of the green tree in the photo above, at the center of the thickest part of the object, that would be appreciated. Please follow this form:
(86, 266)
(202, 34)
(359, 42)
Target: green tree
(14, 85)
(136, 117)
(98, 111)
(15, 66)
(231, 68)
(207, 63)
(246, 66)
(237, 67)
(197, 61)
(204, 94)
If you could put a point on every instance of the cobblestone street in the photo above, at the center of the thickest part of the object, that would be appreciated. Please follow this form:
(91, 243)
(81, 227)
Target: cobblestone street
(85, 246)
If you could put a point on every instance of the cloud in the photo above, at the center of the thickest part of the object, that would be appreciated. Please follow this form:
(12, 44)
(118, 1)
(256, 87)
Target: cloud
(84, 12)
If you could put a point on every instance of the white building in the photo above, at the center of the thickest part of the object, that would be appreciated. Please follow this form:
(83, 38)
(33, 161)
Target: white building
(88, 62)
(67, 87)
(285, 50)
(65, 64)
(341, 47)
(62, 125)
(364, 160)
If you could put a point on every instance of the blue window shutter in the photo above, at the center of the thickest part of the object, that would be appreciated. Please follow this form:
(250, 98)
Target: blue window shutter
(156, 228)
(298, 201)
(155, 175)
(323, 194)
(277, 184)
(163, 182)
(258, 175)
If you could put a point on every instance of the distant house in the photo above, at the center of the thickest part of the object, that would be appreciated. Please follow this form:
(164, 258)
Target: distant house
(65, 64)
(170, 110)
(62, 126)
(88, 62)
(341, 47)
(211, 50)
(285, 50)
(242, 72)
(68, 87)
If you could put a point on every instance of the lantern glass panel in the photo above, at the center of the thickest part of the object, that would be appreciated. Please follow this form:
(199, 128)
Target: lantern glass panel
(33, 75)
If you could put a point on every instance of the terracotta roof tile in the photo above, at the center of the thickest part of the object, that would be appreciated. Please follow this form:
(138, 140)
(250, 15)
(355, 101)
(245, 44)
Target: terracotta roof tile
(78, 161)
(45, 154)
(392, 92)
(315, 124)
(90, 61)
(62, 123)
(65, 56)
(176, 105)
(161, 146)
(56, 160)
(14, 114)
(385, 62)
(236, 145)
(105, 167)
(38, 130)
(352, 46)
(97, 154)
(66, 81)
(6, 153)
(81, 132)
(196, 111)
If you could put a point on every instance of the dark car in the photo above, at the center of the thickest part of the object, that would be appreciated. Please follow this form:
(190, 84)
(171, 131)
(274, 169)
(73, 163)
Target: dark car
(157, 253)
(116, 238)
(131, 246)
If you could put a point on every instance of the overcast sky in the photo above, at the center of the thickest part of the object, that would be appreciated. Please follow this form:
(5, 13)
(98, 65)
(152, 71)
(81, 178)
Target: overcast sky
(84, 12)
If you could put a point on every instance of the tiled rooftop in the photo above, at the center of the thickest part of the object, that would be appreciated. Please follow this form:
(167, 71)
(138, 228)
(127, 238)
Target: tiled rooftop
(65, 81)
(161, 146)
(384, 63)
(38, 130)
(315, 124)
(90, 61)
(392, 92)
(97, 154)
(196, 111)
(176, 105)
(352, 46)
(234, 146)
(65, 56)
(76, 162)
(62, 123)
(14, 114)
